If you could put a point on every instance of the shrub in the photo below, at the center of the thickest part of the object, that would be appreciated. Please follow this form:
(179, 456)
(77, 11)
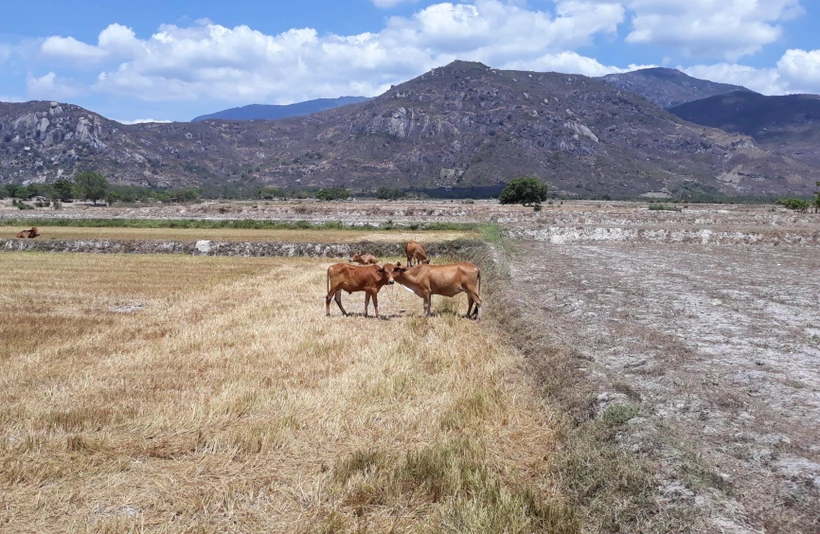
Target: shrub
(663, 207)
(794, 204)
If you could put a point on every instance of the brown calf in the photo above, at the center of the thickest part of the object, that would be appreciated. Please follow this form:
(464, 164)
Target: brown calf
(352, 278)
(364, 259)
(415, 251)
(30, 233)
(448, 280)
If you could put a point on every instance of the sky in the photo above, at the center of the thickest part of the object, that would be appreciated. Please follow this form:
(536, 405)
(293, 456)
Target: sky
(161, 60)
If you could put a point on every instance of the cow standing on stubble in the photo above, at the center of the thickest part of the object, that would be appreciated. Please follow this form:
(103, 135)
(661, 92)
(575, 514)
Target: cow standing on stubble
(352, 278)
(449, 280)
(415, 251)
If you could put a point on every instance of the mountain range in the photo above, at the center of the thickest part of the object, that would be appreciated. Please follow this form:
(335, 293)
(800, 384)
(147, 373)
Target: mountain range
(274, 112)
(464, 125)
(668, 87)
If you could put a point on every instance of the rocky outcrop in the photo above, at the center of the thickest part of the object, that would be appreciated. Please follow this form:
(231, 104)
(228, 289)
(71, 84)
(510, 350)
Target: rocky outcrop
(231, 248)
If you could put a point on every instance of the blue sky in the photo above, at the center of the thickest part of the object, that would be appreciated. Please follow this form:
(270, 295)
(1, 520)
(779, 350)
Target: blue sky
(175, 60)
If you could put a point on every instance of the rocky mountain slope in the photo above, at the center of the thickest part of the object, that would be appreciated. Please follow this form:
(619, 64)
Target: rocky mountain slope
(668, 87)
(786, 124)
(462, 125)
(274, 112)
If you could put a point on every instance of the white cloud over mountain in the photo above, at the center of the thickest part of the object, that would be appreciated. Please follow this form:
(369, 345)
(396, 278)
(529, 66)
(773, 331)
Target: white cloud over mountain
(242, 65)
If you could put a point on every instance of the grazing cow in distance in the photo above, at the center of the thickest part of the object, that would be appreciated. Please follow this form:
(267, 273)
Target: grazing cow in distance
(448, 280)
(415, 251)
(364, 259)
(30, 233)
(352, 278)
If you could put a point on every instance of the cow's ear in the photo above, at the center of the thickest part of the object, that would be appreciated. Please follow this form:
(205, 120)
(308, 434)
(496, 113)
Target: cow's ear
(398, 264)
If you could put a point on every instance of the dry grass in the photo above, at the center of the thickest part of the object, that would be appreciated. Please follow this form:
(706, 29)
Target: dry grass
(233, 234)
(229, 403)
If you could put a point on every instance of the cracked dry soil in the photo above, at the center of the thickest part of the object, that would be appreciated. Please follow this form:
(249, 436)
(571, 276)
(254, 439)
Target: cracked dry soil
(719, 346)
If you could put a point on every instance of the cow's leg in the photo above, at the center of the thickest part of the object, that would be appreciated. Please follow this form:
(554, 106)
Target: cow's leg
(367, 303)
(472, 296)
(339, 301)
(427, 304)
(376, 304)
(470, 303)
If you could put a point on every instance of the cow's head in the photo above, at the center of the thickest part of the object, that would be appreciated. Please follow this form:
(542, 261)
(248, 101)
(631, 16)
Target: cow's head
(388, 271)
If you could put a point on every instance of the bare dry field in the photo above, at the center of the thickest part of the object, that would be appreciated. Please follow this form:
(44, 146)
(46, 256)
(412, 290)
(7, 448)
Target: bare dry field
(196, 394)
(717, 344)
(240, 235)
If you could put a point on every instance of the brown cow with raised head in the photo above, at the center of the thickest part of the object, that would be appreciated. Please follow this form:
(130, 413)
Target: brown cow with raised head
(448, 280)
(415, 251)
(352, 278)
(30, 233)
(364, 259)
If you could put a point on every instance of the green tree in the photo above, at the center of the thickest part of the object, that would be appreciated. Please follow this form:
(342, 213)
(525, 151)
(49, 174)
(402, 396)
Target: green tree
(332, 193)
(388, 193)
(62, 190)
(92, 185)
(526, 191)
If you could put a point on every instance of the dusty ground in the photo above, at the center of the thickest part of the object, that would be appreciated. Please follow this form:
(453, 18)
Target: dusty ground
(719, 346)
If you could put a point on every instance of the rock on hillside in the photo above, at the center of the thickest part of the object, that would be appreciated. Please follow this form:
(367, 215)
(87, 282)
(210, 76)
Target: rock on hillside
(786, 124)
(462, 125)
(668, 87)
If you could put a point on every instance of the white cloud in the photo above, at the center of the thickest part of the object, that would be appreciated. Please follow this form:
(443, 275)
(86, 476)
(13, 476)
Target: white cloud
(242, 65)
(71, 48)
(143, 121)
(802, 68)
(570, 63)
(115, 41)
(765, 81)
(52, 87)
(727, 29)
(798, 71)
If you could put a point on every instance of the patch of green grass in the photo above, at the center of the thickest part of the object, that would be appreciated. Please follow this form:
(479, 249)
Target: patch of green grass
(663, 207)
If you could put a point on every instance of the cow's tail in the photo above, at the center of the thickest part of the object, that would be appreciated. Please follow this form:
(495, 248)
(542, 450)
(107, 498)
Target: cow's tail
(328, 281)
(479, 282)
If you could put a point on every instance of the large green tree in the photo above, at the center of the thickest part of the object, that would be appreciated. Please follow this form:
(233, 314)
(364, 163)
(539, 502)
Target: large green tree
(527, 191)
(91, 185)
(62, 189)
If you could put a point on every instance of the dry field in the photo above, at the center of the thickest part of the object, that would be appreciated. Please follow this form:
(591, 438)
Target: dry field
(197, 394)
(717, 346)
(236, 235)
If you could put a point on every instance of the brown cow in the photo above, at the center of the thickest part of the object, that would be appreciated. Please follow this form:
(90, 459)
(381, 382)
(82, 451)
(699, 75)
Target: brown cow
(30, 233)
(352, 278)
(364, 259)
(415, 251)
(448, 280)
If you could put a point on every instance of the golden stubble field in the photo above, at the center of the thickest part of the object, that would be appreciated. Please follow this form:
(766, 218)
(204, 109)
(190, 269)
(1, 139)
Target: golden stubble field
(195, 394)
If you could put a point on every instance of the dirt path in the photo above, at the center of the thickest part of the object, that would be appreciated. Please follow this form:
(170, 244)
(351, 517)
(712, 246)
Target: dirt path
(719, 345)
